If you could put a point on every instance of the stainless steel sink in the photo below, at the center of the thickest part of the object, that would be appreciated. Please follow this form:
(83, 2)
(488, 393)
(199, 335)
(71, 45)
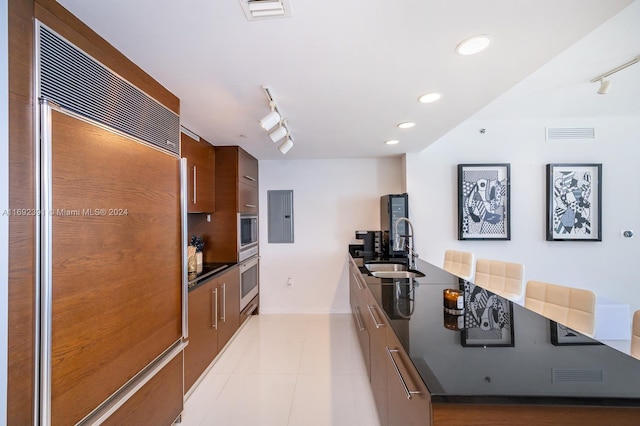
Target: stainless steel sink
(397, 274)
(385, 267)
(392, 270)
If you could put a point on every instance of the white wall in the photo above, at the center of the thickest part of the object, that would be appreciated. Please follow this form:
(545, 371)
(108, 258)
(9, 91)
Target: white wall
(607, 267)
(332, 199)
(4, 203)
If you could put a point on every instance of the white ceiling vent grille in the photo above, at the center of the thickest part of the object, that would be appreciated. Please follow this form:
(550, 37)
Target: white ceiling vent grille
(580, 375)
(265, 9)
(570, 133)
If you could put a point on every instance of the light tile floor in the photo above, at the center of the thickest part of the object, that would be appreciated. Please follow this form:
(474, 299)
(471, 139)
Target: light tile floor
(286, 370)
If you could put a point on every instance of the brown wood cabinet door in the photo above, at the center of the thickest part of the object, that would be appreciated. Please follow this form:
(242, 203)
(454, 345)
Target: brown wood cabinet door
(229, 305)
(203, 336)
(115, 262)
(247, 168)
(247, 198)
(403, 380)
(377, 326)
(200, 157)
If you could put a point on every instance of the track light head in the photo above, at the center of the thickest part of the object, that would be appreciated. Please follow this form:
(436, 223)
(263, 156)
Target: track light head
(286, 145)
(270, 120)
(604, 86)
(278, 133)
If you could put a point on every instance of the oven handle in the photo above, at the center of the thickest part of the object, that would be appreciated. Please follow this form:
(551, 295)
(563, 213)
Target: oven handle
(249, 263)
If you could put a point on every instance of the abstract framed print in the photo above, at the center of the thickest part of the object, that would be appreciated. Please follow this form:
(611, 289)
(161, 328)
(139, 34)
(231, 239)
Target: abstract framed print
(561, 335)
(484, 202)
(488, 318)
(574, 202)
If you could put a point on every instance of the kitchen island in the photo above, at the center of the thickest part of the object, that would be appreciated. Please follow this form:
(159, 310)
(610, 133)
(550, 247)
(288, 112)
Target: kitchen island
(496, 377)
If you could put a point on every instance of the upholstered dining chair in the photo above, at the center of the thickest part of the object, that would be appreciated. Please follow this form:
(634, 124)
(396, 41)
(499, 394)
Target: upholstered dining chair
(459, 263)
(502, 278)
(573, 307)
(635, 335)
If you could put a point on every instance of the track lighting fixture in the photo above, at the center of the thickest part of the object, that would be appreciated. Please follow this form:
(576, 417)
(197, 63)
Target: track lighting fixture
(268, 121)
(278, 133)
(286, 145)
(275, 117)
(605, 84)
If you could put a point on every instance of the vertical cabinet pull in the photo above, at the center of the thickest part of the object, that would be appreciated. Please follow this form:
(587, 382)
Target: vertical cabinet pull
(375, 321)
(408, 392)
(195, 184)
(355, 277)
(224, 302)
(214, 308)
(356, 312)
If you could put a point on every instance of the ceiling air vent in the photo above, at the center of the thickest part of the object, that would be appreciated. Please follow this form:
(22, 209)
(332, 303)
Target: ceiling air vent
(265, 9)
(570, 133)
(579, 375)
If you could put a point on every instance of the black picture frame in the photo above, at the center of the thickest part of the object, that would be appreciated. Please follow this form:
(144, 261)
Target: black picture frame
(561, 335)
(484, 201)
(574, 202)
(488, 319)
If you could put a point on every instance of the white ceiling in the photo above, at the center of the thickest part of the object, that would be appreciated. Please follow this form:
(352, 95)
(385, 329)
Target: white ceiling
(345, 72)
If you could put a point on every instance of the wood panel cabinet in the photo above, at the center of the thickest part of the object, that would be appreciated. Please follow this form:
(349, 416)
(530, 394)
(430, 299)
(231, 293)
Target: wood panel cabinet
(408, 400)
(201, 165)
(378, 357)
(236, 192)
(358, 300)
(214, 317)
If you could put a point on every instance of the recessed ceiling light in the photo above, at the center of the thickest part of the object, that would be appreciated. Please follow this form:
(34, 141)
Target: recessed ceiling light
(429, 97)
(473, 45)
(406, 125)
(392, 142)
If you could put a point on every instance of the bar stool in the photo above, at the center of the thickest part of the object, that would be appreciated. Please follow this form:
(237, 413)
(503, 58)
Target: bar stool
(502, 278)
(635, 335)
(459, 263)
(573, 307)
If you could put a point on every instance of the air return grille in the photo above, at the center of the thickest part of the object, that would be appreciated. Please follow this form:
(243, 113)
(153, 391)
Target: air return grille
(78, 83)
(564, 375)
(570, 133)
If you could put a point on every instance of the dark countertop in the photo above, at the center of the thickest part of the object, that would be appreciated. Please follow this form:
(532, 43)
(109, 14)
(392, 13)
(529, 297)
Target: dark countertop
(209, 271)
(533, 371)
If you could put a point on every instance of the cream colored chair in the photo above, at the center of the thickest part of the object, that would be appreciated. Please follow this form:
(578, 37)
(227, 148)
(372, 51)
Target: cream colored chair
(502, 278)
(635, 335)
(459, 263)
(573, 307)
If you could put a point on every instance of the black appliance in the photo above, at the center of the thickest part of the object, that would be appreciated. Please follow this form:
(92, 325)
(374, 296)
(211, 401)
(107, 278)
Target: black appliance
(371, 243)
(392, 207)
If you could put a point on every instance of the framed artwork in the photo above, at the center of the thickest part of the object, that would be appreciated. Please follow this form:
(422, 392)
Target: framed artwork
(574, 202)
(488, 318)
(483, 202)
(561, 335)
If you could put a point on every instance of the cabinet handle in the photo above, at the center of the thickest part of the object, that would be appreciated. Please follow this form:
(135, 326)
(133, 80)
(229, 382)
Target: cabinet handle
(375, 321)
(356, 311)
(357, 280)
(251, 206)
(195, 183)
(214, 308)
(408, 392)
(250, 178)
(224, 302)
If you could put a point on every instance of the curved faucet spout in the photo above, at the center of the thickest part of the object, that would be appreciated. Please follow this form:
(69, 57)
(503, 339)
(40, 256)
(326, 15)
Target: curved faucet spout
(408, 245)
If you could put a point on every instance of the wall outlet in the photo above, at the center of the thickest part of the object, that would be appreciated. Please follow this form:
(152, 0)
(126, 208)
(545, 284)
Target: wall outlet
(289, 282)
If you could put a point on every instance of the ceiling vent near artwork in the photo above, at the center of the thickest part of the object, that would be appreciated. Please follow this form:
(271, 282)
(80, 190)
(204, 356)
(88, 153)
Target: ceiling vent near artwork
(580, 375)
(265, 9)
(570, 133)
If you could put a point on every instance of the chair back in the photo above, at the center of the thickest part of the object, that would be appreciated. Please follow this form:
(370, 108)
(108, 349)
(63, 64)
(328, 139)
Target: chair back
(502, 278)
(635, 335)
(459, 263)
(573, 307)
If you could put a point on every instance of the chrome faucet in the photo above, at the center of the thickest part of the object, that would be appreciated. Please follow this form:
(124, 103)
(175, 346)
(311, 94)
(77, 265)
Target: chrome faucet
(408, 246)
